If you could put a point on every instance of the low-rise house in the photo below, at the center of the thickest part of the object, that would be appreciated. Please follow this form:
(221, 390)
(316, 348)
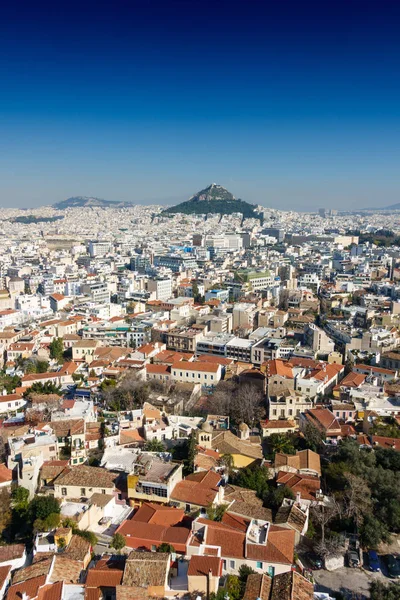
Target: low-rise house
(5, 579)
(83, 482)
(306, 487)
(288, 406)
(245, 450)
(206, 373)
(269, 427)
(12, 403)
(13, 555)
(203, 574)
(153, 479)
(144, 570)
(255, 543)
(304, 462)
(198, 491)
(324, 420)
(344, 411)
(286, 586)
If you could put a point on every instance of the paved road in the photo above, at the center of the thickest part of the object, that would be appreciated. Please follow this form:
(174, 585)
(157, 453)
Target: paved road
(347, 581)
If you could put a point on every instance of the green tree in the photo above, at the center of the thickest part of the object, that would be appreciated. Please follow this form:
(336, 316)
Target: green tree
(20, 497)
(154, 446)
(166, 548)
(253, 477)
(216, 512)
(274, 496)
(57, 349)
(42, 507)
(43, 388)
(87, 535)
(118, 541)
(313, 437)
(280, 442)
(383, 591)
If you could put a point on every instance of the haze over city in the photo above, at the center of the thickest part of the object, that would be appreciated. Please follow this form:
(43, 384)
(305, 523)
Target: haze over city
(290, 105)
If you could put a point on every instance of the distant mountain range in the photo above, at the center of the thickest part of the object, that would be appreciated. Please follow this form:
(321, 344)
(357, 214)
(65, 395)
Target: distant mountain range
(374, 209)
(213, 199)
(86, 201)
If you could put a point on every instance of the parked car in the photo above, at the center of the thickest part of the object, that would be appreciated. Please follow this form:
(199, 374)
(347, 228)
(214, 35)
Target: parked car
(353, 559)
(393, 566)
(314, 560)
(373, 561)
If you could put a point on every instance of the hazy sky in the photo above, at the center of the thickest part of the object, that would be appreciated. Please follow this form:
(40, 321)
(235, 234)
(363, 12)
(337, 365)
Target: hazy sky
(290, 104)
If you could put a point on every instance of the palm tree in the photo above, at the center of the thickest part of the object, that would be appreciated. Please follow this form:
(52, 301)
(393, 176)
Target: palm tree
(279, 442)
(226, 461)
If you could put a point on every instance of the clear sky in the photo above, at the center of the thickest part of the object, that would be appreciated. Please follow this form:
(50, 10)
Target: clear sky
(291, 104)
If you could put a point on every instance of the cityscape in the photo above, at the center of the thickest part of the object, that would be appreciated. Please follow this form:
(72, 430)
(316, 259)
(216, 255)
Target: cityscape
(199, 300)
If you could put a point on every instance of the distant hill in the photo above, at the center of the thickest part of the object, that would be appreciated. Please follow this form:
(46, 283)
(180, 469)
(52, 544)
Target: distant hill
(83, 201)
(375, 209)
(213, 199)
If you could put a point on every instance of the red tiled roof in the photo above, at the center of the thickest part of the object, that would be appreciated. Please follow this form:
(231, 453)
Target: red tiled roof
(106, 578)
(30, 588)
(202, 565)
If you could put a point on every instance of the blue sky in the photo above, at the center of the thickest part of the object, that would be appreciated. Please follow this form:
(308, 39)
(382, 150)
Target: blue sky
(294, 106)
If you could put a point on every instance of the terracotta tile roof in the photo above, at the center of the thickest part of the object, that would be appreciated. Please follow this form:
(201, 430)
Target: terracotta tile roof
(36, 569)
(139, 534)
(386, 442)
(258, 586)
(291, 515)
(203, 367)
(279, 424)
(4, 574)
(6, 475)
(11, 552)
(279, 547)
(78, 548)
(302, 460)
(158, 369)
(159, 514)
(279, 367)
(92, 593)
(291, 586)
(246, 503)
(30, 588)
(324, 419)
(85, 476)
(199, 488)
(107, 578)
(353, 379)
(202, 565)
(146, 569)
(129, 592)
(307, 485)
(227, 442)
(51, 591)
(66, 569)
(236, 521)
(129, 436)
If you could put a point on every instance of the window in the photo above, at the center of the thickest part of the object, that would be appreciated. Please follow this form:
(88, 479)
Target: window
(9, 405)
(271, 571)
(154, 548)
(224, 565)
(75, 461)
(231, 564)
(212, 376)
(103, 491)
(52, 448)
(83, 491)
(259, 565)
(63, 491)
(274, 412)
(187, 508)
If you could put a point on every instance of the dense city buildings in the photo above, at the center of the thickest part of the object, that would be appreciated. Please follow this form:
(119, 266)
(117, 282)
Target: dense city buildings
(191, 401)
